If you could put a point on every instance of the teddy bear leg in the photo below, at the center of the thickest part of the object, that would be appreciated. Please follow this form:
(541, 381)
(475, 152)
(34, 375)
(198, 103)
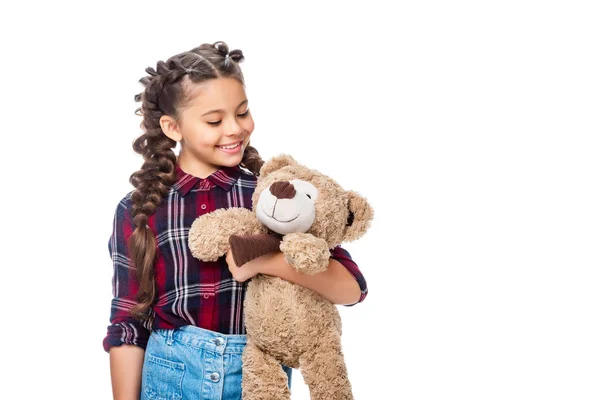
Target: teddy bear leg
(263, 378)
(324, 370)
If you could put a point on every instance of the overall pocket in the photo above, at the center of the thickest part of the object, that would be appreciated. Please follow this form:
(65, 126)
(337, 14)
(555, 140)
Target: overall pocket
(163, 378)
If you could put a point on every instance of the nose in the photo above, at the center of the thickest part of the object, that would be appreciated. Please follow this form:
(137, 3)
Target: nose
(283, 190)
(234, 129)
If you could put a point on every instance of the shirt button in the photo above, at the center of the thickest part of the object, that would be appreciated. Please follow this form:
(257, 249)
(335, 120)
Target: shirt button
(203, 206)
(215, 377)
(218, 341)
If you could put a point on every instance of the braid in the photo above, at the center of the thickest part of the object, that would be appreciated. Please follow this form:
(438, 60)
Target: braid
(152, 183)
(252, 160)
(165, 90)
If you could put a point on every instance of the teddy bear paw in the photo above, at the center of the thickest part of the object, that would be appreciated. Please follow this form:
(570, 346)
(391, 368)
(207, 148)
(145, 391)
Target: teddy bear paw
(305, 252)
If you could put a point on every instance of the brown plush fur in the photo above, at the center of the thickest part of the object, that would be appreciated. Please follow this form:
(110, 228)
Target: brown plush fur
(209, 235)
(287, 323)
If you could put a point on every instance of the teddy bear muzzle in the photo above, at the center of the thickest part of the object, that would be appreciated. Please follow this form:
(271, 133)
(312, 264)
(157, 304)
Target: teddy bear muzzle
(283, 207)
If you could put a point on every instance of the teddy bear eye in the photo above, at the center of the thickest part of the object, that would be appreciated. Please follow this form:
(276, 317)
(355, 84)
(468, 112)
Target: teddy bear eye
(309, 196)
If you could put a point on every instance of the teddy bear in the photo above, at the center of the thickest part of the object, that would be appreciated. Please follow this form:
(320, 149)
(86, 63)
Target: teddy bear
(304, 214)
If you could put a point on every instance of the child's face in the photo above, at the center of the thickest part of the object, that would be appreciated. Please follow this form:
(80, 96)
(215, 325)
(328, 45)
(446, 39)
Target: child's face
(205, 131)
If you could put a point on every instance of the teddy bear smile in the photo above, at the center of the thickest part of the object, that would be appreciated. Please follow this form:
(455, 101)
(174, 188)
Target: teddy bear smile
(289, 220)
(278, 220)
(272, 215)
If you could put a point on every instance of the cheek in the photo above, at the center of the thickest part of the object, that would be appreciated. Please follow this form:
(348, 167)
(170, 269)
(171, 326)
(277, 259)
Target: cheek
(207, 137)
(248, 125)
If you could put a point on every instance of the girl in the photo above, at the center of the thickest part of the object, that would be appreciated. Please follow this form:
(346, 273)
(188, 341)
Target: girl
(177, 328)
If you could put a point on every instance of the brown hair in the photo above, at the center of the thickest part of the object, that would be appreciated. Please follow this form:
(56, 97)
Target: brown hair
(167, 89)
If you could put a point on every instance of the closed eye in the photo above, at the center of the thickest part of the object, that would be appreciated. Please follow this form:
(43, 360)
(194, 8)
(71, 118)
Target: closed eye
(244, 115)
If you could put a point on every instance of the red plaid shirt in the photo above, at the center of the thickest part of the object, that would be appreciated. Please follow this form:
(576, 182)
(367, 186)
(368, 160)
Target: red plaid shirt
(189, 291)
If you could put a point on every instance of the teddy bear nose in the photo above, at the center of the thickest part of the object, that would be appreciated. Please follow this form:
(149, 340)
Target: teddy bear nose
(283, 190)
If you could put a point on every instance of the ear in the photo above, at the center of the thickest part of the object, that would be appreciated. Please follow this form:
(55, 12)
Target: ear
(170, 127)
(276, 163)
(360, 214)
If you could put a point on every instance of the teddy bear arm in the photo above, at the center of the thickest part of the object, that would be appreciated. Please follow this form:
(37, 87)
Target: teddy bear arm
(209, 233)
(305, 252)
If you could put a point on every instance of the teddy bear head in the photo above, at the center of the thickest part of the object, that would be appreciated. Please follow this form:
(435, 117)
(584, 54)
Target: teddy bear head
(291, 198)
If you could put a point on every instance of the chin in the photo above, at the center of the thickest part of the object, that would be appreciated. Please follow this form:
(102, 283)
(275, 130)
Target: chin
(232, 161)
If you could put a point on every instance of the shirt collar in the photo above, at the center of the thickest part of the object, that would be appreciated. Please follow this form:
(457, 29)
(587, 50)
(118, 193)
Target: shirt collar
(224, 177)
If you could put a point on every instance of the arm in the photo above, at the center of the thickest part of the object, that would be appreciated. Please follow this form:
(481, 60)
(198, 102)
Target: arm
(126, 363)
(126, 337)
(343, 257)
(337, 284)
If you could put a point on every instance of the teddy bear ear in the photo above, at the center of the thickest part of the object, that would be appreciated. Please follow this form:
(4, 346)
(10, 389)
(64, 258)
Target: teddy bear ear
(360, 214)
(276, 163)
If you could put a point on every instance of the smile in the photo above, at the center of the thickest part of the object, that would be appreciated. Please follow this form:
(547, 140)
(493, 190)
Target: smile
(290, 220)
(272, 217)
(231, 146)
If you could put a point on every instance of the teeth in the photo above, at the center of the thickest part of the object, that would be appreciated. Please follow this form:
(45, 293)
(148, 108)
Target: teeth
(230, 147)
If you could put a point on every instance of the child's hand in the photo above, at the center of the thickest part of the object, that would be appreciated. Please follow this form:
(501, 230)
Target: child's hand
(243, 272)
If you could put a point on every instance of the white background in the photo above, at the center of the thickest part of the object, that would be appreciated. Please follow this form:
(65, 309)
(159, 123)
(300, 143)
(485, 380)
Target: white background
(471, 126)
